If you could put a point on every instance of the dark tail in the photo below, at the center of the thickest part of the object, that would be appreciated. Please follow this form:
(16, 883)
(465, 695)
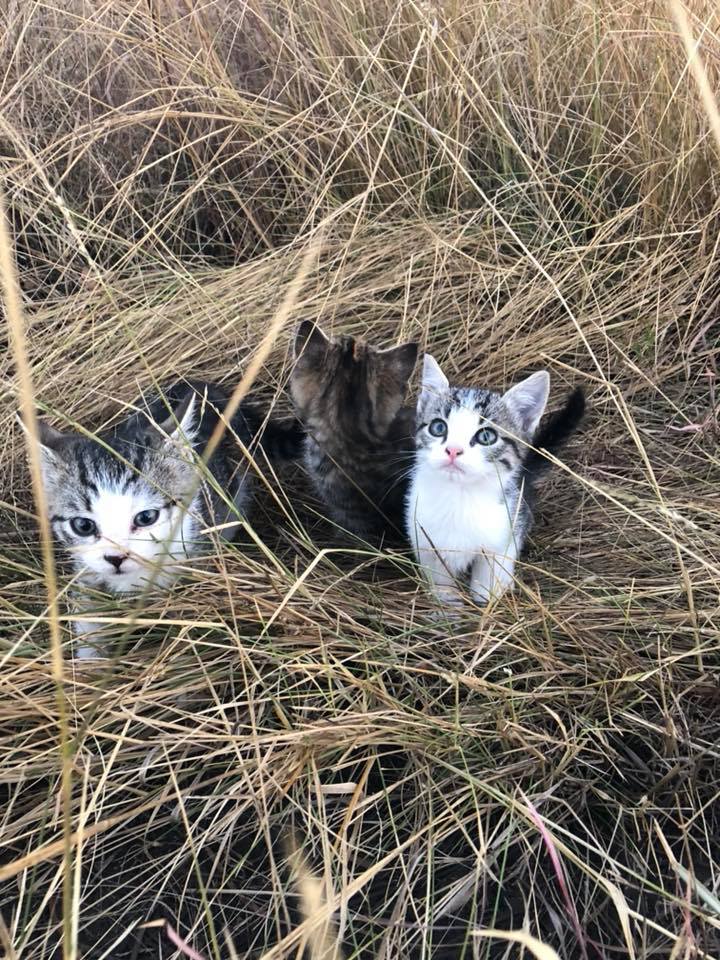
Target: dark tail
(283, 439)
(280, 439)
(556, 431)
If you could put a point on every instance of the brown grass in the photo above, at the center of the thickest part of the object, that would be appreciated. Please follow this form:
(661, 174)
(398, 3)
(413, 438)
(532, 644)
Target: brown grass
(515, 184)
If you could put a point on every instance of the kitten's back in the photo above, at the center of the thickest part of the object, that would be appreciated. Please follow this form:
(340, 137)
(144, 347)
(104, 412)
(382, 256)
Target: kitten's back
(360, 438)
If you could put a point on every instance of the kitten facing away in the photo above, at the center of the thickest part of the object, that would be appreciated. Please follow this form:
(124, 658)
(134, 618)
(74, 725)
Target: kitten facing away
(359, 437)
(469, 505)
(129, 505)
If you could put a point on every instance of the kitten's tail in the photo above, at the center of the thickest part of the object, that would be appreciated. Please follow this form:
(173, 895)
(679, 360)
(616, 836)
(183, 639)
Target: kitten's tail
(280, 439)
(556, 431)
(283, 439)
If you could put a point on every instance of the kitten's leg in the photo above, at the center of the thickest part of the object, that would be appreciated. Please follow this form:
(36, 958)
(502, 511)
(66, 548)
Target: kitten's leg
(481, 579)
(504, 572)
(441, 580)
(86, 647)
(492, 575)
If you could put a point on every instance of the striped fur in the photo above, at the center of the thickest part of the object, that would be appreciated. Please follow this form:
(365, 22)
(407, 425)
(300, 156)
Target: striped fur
(469, 506)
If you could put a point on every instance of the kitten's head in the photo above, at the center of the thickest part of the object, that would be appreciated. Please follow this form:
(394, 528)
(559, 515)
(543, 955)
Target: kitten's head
(114, 502)
(348, 385)
(469, 434)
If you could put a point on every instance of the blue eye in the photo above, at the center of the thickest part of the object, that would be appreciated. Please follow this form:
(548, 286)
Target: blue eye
(83, 526)
(437, 428)
(485, 436)
(146, 518)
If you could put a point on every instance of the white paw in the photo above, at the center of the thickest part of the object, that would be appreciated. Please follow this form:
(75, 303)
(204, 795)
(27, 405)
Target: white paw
(481, 597)
(85, 651)
(451, 610)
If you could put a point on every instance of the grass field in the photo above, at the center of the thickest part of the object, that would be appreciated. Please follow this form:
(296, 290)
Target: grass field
(289, 752)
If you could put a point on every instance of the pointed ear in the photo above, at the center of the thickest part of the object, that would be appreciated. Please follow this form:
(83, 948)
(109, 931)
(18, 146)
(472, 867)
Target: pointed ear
(181, 423)
(434, 381)
(527, 400)
(51, 442)
(401, 360)
(309, 339)
(50, 438)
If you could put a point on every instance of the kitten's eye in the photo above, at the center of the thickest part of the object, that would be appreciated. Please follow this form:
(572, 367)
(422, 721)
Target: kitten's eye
(146, 518)
(485, 436)
(83, 526)
(437, 428)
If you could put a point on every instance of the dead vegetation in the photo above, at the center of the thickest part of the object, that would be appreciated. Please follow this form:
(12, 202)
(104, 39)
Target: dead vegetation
(515, 184)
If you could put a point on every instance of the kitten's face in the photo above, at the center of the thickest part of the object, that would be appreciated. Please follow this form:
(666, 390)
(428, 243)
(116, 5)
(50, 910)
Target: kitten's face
(346, 385)
(470, 435)
(118, 511)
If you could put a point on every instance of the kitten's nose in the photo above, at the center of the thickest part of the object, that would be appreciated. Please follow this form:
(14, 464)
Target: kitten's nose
(115, 560)
(453, 453)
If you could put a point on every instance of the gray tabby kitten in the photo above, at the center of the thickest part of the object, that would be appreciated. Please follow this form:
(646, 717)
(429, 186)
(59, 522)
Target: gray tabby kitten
(359, 445)
(469, 505)
(128, 505)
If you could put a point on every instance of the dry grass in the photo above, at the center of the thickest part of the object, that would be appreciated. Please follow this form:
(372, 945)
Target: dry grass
(513, 183)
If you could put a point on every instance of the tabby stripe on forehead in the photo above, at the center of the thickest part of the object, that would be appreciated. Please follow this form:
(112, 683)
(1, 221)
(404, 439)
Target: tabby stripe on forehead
(86, 482)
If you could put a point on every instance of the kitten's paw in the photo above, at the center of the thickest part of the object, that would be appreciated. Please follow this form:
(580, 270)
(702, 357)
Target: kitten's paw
(87, 647)
(86, 652)
(480, 598)
(484, 598)
(451, 611)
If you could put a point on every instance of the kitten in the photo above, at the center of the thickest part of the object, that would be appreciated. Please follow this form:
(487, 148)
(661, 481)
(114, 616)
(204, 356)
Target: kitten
(129, 504)
(469, 506)
(359, 443)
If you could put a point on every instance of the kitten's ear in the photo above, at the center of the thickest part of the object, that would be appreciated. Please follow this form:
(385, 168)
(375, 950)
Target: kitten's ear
(182, 424)
(527, 400)
(309, 339)
(434, 382)
(50, 439)
(401, 360)
(51, 442)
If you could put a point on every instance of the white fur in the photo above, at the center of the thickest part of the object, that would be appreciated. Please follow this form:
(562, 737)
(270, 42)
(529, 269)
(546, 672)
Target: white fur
(152, 554)
(87, 651)
(150, 550)
(472, 466)
(459, 515)
(459, 524)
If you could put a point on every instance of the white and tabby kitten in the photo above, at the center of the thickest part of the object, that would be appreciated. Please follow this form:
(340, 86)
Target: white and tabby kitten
(129, 505)
(469, 500)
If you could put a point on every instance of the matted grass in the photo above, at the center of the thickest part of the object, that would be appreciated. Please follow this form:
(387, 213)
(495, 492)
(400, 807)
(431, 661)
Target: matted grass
(290, 751)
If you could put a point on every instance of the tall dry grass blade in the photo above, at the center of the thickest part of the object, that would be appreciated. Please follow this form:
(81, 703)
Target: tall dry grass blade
(26, 395)
(540, 950)
(260, 355)
(321, 938)
(692, 48)
(512, 184)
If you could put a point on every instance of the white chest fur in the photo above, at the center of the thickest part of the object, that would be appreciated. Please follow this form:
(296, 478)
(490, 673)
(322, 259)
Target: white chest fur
(458, 521)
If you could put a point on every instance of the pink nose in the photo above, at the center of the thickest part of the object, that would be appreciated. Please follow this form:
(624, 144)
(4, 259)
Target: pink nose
(453, 453)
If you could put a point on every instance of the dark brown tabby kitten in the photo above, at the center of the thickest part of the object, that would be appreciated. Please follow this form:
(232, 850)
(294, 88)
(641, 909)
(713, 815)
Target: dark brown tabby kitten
(360, 441)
